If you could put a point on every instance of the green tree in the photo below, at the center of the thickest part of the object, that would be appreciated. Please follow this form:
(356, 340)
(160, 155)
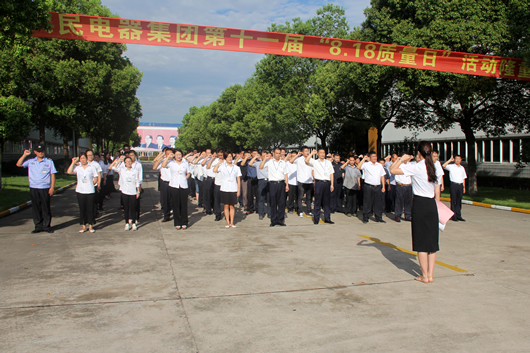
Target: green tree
(439, 100)
(19, 18)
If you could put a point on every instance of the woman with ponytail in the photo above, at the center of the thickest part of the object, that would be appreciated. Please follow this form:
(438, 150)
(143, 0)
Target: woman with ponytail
(426, 190)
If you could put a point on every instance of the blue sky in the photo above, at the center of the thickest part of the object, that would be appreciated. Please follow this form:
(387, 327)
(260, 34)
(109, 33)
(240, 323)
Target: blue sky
(177, 78)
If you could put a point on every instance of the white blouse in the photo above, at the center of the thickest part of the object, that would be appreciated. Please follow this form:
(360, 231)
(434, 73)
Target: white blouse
(85, 179)
(229, 177)
(179, 178)
(129, 180)
(420, 181)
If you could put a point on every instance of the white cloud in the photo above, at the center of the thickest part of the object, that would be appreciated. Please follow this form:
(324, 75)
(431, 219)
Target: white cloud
(177, 78)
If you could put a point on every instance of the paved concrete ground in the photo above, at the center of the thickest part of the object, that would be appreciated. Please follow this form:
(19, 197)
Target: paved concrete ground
(300, 288)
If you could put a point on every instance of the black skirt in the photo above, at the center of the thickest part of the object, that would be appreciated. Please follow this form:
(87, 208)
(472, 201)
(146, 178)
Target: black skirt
(228, 198)
(424, 224)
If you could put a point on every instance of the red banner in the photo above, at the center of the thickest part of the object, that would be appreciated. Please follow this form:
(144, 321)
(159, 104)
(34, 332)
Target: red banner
(105, 29)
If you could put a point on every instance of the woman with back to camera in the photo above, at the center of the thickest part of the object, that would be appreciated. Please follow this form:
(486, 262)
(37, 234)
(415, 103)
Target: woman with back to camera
(426, 191)
(87, 178)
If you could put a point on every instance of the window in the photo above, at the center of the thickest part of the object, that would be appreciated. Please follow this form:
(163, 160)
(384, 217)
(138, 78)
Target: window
(496, 150)
(506, 151)
(516, 150)
(480, 152)
(487, 151)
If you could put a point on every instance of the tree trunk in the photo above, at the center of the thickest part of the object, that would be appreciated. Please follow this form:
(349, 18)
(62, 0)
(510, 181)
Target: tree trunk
(1, 154)
(472, 187)
(42, 130)
(66, 152)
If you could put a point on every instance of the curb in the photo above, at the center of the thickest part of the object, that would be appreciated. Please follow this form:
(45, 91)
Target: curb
(28, 203)
(487, 205)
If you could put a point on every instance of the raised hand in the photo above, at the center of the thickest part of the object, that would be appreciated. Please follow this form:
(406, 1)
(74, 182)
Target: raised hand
(313, 152)
(27, 152)
(75, 159)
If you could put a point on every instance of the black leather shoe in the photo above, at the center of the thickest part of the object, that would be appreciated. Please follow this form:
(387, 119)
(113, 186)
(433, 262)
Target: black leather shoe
(165, 220)
(381, 221)
(281, 224)
(461, 219)
(48, 230)
(365, 221)
(315, 221)
(329, 222)
(272, 225)
(217, 219)
(35, 231)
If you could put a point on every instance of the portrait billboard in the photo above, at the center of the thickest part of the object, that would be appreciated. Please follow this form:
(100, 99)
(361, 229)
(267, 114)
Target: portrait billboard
(157, 136)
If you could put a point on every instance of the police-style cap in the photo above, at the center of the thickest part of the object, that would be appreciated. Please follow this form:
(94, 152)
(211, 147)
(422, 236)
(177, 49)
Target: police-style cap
(40, 148)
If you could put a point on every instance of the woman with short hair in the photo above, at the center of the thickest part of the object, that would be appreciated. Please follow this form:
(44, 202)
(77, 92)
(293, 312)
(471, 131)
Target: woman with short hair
(178, 185)
(87, 178)
(230, 186)
(130, 189)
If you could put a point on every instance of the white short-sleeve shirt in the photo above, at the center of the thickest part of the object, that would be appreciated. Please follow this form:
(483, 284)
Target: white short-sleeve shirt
(229, 176)
(178, 174)
(85, 179)
(372, 173)
(276, 170)
(303, 171)
(292, 171)
(420, 181)
(322, 170)
(128, 180)
(457, 174)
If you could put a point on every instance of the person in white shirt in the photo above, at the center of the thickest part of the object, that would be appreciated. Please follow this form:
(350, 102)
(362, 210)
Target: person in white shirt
(374, 185)
(458, 176)
(304, 176)
(91, 160)
(104, 171)
(324, 184)
(263, 184)
(178, 185)
(292, 194)
(87, 178)
(130, 189)
(137, 165)
(426, 191)
(390, 192)
(217, 179)
(207, 182)
(230, 176)
(435, 156)
(165, 178)
(403, 200)
(278, 186)
(352, 184)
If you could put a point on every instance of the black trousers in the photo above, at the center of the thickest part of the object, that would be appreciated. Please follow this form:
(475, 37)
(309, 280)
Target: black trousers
(207, 198)
(292, 198)
(322, 199)
(373, 199)
(165, 198)
(403, 201)
(336, 198)
(306, 189)
(390, 198)
(179, 198)
(86, 211)
(456, 191)
(129, 207)
(217, 200)
(191, 186)
(351, 200)
(41, 208)
(252, 195)
(264, 197)
(101, 196)
(277, 201)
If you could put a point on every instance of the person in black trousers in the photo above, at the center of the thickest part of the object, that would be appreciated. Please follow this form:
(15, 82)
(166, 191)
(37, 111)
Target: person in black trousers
(165, 178)
(336, 195)
(352, 185)
(374, 187)
(180, 173)
(41, 174)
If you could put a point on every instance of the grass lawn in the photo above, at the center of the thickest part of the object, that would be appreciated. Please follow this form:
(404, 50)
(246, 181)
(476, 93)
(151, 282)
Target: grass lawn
(498, 196)
(15, 189)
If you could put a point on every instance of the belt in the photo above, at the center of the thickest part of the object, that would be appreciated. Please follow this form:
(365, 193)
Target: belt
(374, 186)
(323, 181)
(457, 183)
(403, 184)
(276, 181)
(264, 179)
(209, 178)
(252, 178)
